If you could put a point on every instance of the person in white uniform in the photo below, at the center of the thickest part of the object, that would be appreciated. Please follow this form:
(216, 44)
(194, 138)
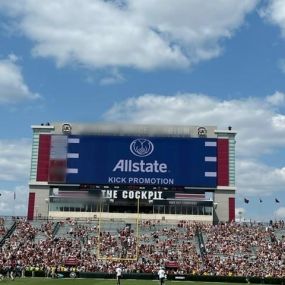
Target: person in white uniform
(161, 275)
(119, 275)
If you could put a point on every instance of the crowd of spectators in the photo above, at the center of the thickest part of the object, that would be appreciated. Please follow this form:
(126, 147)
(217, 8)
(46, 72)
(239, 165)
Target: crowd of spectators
(251, 250)
(229, 249)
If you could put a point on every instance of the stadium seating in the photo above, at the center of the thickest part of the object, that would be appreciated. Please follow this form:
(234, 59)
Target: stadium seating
(231, 249)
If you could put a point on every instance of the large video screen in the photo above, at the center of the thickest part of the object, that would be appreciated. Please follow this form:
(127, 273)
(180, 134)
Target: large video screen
(161, 161)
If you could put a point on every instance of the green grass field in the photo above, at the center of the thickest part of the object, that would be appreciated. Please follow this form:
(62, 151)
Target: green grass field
(91, 281)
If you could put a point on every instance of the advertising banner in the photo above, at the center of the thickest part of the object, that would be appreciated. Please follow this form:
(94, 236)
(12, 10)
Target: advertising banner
(165, 161)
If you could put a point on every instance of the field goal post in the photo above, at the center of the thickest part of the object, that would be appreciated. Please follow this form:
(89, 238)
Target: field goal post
(137, 223)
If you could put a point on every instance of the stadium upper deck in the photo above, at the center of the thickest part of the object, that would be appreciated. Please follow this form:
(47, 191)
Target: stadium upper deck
(119, 170)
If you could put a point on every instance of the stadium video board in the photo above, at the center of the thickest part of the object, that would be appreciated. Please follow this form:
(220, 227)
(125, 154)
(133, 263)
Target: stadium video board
(127, 160)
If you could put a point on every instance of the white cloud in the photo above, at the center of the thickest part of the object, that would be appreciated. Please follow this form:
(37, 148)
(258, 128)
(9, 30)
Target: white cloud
(15, 163)
(12, 86)
(15, 159)
(114, 77)
(258, 122)
(279, 121)
(11, 205)
(278, 98)
(260, 127)
(256, 178)
(142, 34)
(274, 12)
(280, 213)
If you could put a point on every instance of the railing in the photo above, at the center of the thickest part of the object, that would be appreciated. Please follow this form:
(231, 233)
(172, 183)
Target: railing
(8, 234)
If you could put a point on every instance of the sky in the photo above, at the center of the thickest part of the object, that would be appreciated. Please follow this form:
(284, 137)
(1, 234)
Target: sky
(200, 63)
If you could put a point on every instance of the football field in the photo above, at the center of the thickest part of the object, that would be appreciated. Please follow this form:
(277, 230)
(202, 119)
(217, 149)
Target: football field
(91, 281)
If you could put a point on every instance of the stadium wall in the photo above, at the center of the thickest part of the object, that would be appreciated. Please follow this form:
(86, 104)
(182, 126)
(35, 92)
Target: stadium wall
(38, 203)
(128, 216)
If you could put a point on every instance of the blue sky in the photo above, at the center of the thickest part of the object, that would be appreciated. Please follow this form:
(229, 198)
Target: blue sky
(221, 63)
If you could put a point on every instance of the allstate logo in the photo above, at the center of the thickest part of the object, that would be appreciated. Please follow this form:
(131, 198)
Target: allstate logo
(141, 147)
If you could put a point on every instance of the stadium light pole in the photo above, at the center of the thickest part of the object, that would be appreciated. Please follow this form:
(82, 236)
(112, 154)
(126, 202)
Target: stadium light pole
(47, 202)
(240, 215)
(138, 206)
(37, 212)
(138, 218)
(99, 227)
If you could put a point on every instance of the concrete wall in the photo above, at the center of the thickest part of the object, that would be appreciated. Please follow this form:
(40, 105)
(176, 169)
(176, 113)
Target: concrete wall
(41, 200)
(221, 204)
(124, 216)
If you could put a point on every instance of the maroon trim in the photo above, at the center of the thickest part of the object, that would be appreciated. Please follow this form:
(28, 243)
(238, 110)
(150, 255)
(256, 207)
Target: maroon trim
(223, 162)
(231, 209)
(43, 157)
(31, 206)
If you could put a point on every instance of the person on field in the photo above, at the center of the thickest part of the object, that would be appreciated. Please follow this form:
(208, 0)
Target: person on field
(161, 275)
(12, 272)
(119, 274)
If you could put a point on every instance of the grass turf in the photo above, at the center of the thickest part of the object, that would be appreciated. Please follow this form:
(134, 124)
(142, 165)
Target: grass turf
(92, 281)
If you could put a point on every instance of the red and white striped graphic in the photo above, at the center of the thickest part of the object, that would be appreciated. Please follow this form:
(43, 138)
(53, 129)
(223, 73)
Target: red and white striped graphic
(188, 196)
(71, 194)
